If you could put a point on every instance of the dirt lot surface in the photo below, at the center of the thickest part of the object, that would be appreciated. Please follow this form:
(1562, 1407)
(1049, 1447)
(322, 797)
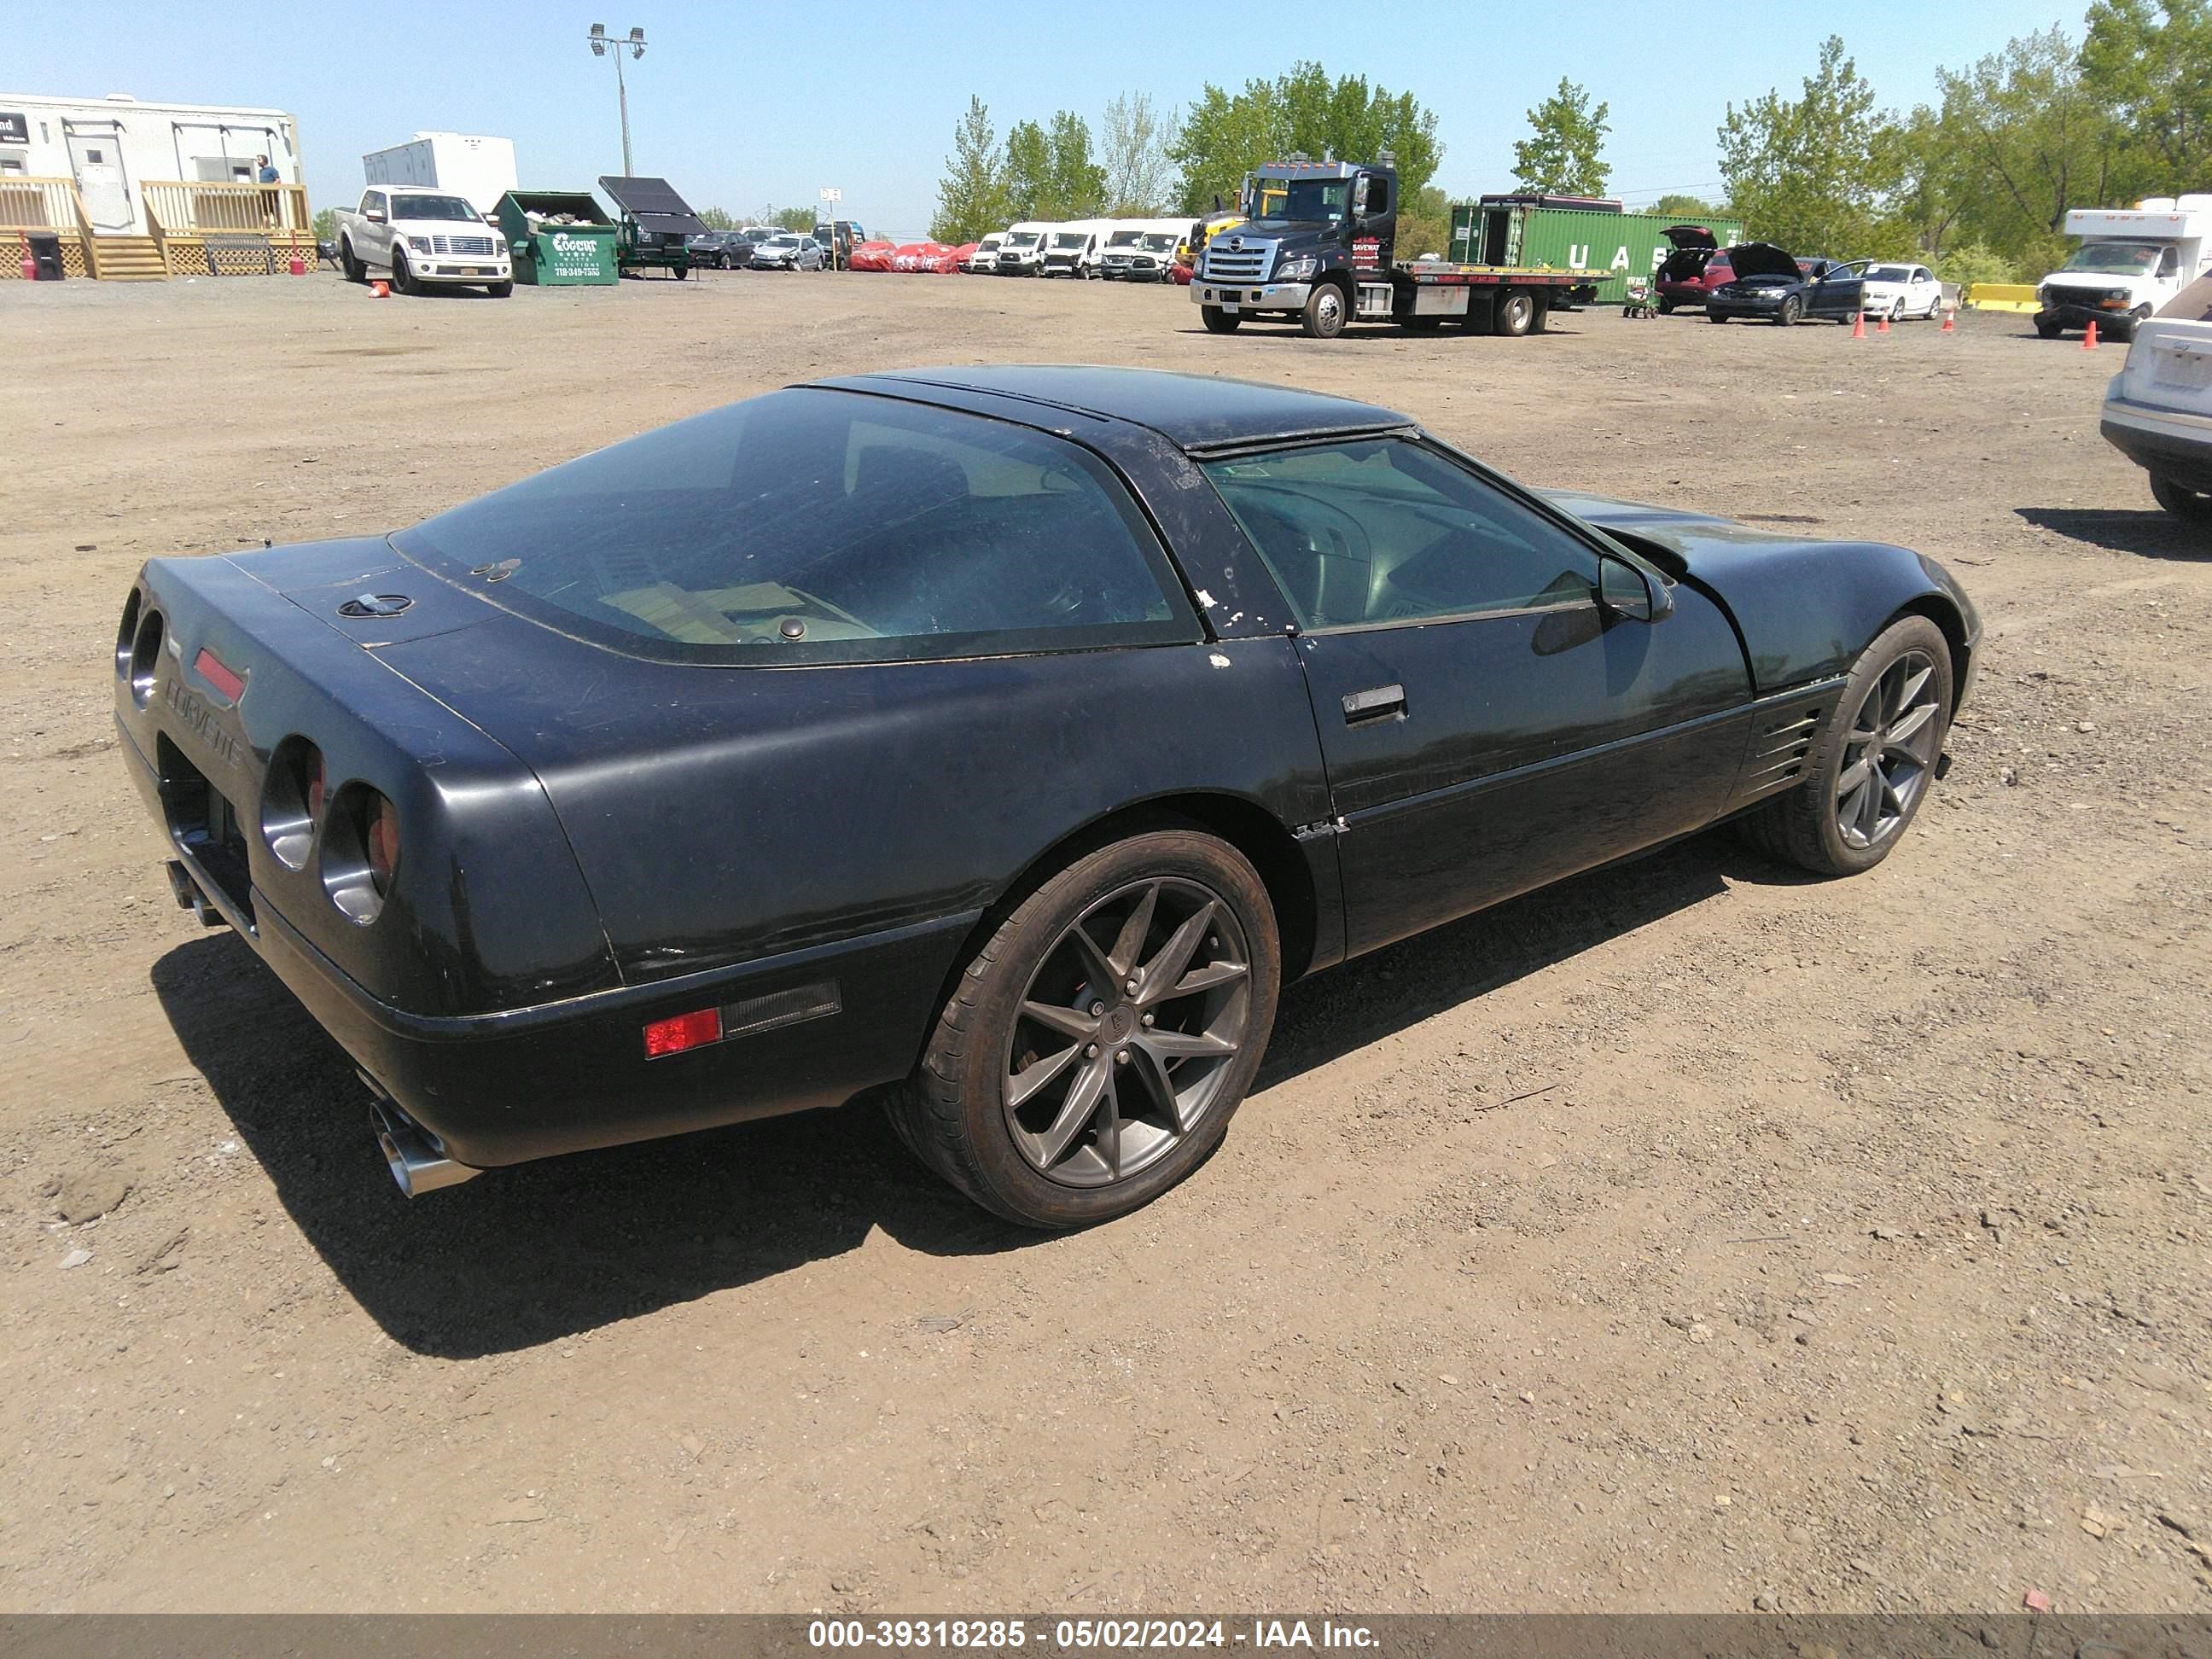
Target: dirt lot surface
(1689, 1234)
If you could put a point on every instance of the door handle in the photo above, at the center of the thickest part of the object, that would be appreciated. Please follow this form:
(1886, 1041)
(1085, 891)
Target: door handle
(1379, 702)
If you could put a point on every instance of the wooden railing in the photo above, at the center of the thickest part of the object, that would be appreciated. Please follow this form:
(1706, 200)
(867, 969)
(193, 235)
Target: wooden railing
(183, 208)
(40, 204)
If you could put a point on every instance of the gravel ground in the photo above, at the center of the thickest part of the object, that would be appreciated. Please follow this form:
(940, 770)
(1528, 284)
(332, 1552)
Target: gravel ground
(1690, 1234)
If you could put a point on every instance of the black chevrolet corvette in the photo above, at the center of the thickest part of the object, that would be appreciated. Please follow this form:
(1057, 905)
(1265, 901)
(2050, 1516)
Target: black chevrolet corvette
(1008, 736)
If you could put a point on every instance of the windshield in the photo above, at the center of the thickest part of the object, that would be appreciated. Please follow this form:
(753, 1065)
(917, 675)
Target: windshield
(2116, 259)
(783, 241)
(817, 526)
(1323, 201)
(1159, 242)
(1124, 239)
(1889, 273)
(1023, 239)
(1070, 238)
(433, 206)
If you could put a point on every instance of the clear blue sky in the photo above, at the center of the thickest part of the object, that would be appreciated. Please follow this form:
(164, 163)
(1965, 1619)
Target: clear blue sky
(742, 105)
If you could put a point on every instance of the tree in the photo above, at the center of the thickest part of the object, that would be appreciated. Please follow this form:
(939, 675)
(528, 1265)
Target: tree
(1560, 156)
(2150, 65)
(1678, 206)
(716, 218)
(971, 197)
(1133, 141)
(791, 218)
(1077, 189)
(1227, 134)
(1814, 174)
(326, 225)
(1029, 170)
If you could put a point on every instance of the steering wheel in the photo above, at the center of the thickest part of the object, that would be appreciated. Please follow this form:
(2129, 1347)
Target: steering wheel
(1337, 536)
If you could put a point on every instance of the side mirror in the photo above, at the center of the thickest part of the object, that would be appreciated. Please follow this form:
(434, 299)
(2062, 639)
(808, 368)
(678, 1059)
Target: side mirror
(374, 215)
(1626, 591)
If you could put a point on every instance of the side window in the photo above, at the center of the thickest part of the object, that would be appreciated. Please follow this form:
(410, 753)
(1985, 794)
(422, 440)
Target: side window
(1380, 531)
(2169, 262)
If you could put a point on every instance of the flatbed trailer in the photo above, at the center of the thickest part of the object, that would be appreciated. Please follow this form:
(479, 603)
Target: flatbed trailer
(1325, 261)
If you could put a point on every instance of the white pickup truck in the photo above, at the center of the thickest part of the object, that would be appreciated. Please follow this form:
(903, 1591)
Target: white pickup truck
(426, 238)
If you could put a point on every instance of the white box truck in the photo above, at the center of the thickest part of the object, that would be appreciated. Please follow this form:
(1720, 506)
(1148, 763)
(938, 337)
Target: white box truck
(464, 164)
(2131, 261)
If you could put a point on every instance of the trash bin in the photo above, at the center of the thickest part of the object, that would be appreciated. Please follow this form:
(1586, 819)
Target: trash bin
(45, 254)
(559, 238)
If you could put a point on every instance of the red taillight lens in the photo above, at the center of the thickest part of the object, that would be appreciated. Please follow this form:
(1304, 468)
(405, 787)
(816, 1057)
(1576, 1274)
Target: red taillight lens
(692, 1030)
(381, 836)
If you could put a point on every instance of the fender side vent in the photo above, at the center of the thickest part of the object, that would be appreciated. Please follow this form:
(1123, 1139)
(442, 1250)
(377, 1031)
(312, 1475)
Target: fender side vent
(776, 1008)
(1779, 748)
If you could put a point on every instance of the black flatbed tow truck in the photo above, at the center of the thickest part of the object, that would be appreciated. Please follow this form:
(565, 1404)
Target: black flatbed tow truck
(1322, 253)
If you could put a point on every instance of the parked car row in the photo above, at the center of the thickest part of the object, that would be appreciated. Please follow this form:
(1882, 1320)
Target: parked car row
(1759, 281)
(760, 247)
(1114, 250)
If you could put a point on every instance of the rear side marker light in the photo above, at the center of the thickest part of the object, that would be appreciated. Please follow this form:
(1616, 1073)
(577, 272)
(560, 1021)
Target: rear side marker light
(693, 1030)
(217, 673)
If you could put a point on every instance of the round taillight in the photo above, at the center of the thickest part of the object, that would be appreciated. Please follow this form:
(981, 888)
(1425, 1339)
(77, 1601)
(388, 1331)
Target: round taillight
(291, 801)
(360, 851)
(382, 834)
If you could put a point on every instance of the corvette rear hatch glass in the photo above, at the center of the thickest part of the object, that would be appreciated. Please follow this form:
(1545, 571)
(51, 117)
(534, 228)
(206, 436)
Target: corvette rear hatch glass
(819, 527)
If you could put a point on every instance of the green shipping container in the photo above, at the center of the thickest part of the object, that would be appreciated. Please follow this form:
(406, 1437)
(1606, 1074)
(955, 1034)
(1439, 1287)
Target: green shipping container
(580, 254)
(1547, 233)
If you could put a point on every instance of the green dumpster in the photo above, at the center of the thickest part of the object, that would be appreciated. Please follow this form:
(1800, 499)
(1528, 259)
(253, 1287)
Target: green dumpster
(560, 238)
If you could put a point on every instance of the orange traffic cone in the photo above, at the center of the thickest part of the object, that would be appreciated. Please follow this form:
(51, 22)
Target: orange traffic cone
(379, 290)
(1858, 326)
(1882, 327)
(1950, 323)
(2089, 335)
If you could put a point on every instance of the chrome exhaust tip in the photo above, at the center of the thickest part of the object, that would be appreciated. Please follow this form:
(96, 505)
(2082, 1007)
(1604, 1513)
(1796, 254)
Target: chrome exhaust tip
(416, 1156)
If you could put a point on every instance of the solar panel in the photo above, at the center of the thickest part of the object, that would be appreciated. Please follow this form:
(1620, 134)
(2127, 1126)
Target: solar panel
(654, 205)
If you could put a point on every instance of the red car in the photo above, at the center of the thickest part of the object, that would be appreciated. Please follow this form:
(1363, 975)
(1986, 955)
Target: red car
(1697, 265)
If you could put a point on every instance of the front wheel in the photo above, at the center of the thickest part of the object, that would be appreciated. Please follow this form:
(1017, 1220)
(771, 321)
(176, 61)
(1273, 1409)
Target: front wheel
(1325, 311)
(1789, 312)
(499, 290)
(1712, 316)
(1218, 321)
(2180, 500)
(403, 277)
(682, 271)
(1666, 307)
(2048, 328)
(1097, 1044)
(1870, 768)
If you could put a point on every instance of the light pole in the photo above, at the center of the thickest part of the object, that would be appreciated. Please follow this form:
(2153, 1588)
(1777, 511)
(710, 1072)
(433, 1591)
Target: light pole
(602, 43)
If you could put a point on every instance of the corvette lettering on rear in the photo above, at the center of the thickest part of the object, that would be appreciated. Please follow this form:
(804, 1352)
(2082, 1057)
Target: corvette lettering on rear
(198, 714)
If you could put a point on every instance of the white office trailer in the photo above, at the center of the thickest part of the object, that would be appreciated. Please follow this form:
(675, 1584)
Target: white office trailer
(110, 146)
(468, 164)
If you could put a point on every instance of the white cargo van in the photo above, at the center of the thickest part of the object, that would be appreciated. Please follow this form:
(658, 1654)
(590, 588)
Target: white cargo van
(1141, 249)
(1071, 249)
(2131, 261)
(1022, 254)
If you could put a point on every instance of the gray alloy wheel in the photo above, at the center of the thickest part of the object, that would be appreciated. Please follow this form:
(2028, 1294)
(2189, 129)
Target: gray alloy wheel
(1119, 1050)
(1868, 772)
(1326, 313)
(1095, 1047)
(1786, 313)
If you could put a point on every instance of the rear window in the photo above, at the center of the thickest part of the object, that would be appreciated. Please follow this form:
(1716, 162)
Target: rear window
(816, 526)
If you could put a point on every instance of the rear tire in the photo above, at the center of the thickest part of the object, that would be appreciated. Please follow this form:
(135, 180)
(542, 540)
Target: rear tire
(1054, 1161)
(1218, 321)
(2181, 500)
(1823, 825)
(355, 271)
(1517, 315)
(1666, 307)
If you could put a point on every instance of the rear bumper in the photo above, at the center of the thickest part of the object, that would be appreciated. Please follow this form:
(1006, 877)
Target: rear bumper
(2169, 442)
(570, 1076)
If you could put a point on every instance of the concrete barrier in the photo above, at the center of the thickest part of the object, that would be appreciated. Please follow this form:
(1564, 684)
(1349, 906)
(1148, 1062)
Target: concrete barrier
(2003, 297)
